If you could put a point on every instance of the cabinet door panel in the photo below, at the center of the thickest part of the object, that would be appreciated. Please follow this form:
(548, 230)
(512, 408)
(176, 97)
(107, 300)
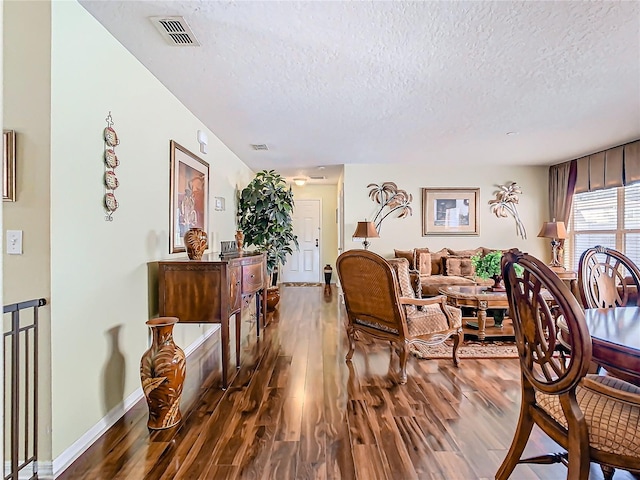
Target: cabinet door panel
(235, 291)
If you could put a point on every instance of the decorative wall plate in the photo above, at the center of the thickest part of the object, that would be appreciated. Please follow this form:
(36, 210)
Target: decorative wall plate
(111, 137)
(110, 180)
(110, 202)
(110, 158)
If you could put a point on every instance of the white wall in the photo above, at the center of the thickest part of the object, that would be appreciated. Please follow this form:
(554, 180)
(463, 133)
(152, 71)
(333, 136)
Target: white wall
(406, 233)
(99, 269)
(27, 110)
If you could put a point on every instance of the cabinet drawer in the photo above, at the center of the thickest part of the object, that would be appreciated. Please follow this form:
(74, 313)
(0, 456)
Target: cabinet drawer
(252, 278)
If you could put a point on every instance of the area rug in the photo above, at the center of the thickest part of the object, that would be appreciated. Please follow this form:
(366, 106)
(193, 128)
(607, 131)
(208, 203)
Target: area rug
(301, 284)
(469, 349)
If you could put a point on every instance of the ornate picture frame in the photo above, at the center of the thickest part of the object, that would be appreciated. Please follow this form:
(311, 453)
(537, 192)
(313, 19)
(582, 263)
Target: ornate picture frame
(9, 166)
(188, 193)
(450, 211)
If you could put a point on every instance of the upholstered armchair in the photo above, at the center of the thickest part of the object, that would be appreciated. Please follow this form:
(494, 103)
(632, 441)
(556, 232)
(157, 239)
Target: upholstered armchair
(381, 303)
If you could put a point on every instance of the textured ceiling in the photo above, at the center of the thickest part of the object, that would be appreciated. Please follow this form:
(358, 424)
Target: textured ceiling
(332, 83)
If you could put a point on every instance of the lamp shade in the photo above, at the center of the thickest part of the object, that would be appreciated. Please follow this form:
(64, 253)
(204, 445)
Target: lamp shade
(553, 230)
(365, 230)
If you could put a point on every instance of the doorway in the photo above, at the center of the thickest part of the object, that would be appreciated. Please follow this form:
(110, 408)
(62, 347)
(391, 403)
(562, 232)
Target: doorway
(304, 264)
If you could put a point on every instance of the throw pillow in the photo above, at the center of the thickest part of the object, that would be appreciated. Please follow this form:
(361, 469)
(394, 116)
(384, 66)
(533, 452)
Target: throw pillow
(410, 255)
(458, 266)
(436, 261)
(423, 261)
(465, 253)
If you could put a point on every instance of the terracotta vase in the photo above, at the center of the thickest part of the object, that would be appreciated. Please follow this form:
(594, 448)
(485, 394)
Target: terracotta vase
(162, 371)
(239, 240)
(195, 241)
(273, 297)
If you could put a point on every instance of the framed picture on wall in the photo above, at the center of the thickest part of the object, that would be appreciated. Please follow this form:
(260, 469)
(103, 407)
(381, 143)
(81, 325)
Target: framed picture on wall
(189, 195)
(450, 211)
(9, 166)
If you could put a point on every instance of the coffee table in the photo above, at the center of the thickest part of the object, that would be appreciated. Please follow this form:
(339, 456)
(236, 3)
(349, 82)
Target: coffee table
(480, 299)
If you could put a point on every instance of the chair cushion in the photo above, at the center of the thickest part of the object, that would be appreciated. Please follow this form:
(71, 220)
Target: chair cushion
(613, 423)
(401, 267)
(431, 320)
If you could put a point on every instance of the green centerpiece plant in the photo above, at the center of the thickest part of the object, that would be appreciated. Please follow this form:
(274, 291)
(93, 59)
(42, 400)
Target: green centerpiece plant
(488, 266)
(264, 216)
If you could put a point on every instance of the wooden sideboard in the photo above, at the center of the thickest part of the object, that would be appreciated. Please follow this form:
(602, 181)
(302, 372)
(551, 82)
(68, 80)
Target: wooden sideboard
(211, 290)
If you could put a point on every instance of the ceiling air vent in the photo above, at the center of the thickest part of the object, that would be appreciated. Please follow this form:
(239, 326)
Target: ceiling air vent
(259, 146)
(176, 31)
(319, 177)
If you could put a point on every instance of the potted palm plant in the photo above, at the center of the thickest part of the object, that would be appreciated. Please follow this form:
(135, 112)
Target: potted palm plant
(264, 215)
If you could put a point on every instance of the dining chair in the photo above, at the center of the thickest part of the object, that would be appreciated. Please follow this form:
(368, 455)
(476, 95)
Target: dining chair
(381, 304)
(607, 278)
(594, 418)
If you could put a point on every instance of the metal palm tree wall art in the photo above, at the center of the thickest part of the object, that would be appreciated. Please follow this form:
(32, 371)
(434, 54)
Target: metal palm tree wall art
(506, 202)
(391, 198)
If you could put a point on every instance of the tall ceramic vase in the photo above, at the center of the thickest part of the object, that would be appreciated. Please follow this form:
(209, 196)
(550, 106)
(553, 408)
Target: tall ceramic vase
(239, 240)
(195, 241)
(162, 371)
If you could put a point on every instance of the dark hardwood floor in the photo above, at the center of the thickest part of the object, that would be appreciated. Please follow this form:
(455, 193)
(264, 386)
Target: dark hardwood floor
(296, 409)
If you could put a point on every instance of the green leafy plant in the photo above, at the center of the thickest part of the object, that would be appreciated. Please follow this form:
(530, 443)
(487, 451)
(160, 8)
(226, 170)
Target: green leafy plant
(264, 214)
(488, 266)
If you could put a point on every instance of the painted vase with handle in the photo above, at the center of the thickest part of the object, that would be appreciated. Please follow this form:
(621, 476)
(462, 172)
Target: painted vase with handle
(195, 241)
(162, 371)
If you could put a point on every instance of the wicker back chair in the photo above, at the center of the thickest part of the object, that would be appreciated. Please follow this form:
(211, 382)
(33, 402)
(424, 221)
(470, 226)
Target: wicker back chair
(607, 278)
(380, 303)
(593, 417)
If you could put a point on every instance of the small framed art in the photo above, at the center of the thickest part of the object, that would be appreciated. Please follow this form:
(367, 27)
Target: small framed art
(450, 211)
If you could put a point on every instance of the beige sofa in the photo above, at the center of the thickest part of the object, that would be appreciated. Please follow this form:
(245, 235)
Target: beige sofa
(443, 268)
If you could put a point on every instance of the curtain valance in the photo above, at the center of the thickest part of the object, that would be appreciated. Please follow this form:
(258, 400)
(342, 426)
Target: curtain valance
(610, 168)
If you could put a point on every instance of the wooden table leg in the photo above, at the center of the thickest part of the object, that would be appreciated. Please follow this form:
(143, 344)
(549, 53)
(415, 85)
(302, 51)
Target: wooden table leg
(259, 295)
(264, 307)
(224, 338)
(482, 319)
(238, 333)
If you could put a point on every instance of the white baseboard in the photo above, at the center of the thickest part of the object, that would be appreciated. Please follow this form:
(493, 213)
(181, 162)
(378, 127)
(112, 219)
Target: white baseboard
(45, 471)
(71, 454)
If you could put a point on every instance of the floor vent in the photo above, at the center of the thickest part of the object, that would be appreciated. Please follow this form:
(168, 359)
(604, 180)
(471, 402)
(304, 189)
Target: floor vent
(176, 31)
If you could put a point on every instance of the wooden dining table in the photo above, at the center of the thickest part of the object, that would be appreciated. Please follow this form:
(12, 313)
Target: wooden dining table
(615, 335)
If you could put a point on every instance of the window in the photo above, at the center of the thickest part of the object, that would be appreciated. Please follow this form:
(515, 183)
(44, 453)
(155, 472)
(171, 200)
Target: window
(610, 218)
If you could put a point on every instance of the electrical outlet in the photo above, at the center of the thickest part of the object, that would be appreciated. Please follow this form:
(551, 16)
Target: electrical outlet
(14, 242)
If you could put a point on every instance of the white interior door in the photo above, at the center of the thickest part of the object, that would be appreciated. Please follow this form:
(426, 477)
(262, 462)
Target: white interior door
(304, 265)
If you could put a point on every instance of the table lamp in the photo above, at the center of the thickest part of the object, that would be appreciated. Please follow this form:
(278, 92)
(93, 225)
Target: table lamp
(555, 231)
(365, 230)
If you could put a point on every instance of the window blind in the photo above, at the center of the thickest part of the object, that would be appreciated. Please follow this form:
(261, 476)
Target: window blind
(609, 217)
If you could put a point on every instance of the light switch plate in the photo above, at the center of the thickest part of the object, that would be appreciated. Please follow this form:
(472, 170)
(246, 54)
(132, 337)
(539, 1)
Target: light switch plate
(14, 242)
